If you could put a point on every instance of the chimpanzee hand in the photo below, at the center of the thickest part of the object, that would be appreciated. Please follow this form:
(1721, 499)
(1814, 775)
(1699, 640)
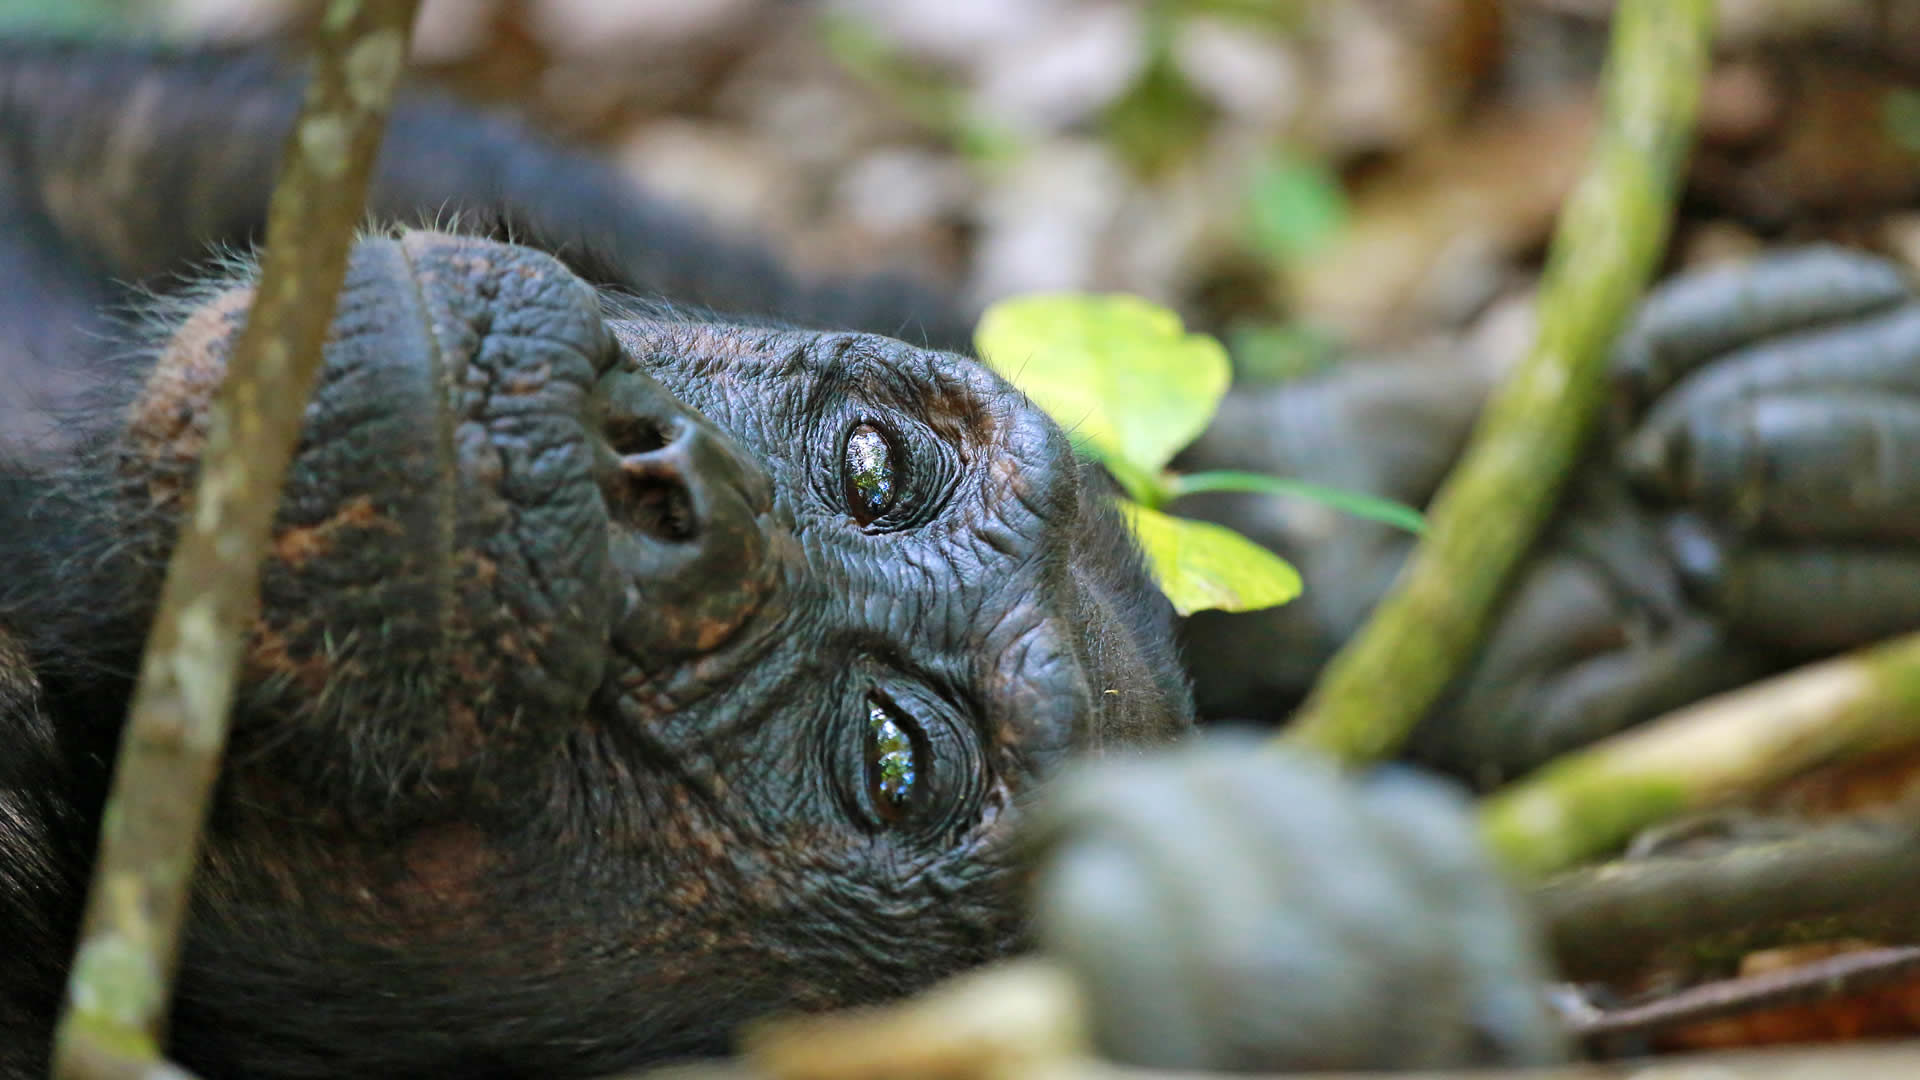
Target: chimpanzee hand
(1767, 424)
(1239, 907)
(1784, 428)
(1744, 511)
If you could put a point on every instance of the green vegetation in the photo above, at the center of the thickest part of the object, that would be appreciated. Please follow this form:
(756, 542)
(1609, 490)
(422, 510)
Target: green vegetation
(84, 18)
(1132, 387)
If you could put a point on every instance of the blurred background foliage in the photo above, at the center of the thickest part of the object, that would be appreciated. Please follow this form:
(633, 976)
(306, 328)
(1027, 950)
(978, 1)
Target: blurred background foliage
(1310, 179)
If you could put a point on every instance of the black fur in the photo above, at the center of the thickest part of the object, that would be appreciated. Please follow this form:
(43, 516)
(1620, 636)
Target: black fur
(548, 757)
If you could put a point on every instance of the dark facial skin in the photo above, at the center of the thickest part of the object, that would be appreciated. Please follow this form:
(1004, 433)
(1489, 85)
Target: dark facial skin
(595, 671)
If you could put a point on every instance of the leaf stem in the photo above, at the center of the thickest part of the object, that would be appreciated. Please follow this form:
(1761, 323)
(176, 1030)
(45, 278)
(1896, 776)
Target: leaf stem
(1370, 507)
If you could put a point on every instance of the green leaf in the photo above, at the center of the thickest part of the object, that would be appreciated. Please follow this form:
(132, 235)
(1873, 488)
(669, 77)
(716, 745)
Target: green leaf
(1201, 565)
(1371, 507)
(1119, 373)
(1296, 207)
(1149, 489)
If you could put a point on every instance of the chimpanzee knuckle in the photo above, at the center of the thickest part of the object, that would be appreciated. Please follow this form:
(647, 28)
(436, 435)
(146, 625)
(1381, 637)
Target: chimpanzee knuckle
(1840, 466)
(1483, 732)
(1878, 354)
(1305, 831)
(1504, 732)
(1189, 842)
(1815, 600)
(1186, 971)
(1564, 611)
(1820, 464)
(1702, 555)
(1268, 874)
(1248, 993)
(1614, 691)
(1091, 914)
(1499, 966)
(1427, 826)
(1694, 319)
(1502, 989)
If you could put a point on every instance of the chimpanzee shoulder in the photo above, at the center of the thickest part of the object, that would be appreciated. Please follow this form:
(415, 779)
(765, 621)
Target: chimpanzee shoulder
(145, 154)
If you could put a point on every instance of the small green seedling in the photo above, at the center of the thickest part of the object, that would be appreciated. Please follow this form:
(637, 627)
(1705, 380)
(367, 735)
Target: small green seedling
(1132, 387)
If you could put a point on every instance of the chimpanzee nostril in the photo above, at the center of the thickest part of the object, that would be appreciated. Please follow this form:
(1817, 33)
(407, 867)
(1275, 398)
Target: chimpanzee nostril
(635, 434)
(667, 474)
(687, 506)
(651, 496)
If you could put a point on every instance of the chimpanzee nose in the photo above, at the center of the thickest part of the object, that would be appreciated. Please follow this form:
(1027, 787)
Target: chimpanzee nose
(687, 508)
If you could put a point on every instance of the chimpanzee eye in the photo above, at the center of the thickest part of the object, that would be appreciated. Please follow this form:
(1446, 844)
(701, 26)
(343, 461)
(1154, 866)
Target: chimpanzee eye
(893, 764)
(867, 469)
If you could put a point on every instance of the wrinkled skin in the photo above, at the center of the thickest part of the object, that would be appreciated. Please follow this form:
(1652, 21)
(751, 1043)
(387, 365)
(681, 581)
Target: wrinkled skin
(1752, 505)
(564, 679)
(552, 752)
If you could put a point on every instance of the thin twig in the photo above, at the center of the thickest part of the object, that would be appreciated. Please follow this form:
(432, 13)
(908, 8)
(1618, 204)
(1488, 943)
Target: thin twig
(1829, 977)
(1507, 483)
(1856, 879)
(1823, 1063)
(120, 985)
(1589, 802)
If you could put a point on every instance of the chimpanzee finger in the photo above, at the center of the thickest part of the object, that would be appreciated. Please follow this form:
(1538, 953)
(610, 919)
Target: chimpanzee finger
(1805, 600)
(1821, 464)
(1558, 613)
(1319, 946)
(1696, 318)
(1380, 950)
(1877, 354)
(1191, 884)
(1603, 584)
(1501, 731)
(1094, 912)
(1427, 828)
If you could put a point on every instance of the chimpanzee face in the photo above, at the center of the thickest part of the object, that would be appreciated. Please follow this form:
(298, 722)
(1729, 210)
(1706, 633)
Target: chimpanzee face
(682, 671)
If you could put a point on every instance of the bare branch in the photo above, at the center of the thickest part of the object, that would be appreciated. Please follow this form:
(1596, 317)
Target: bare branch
(1854, 879)
(1831, 977)
(120, 984)
(1742, 741)
(1823, 1063)
(1484, 518)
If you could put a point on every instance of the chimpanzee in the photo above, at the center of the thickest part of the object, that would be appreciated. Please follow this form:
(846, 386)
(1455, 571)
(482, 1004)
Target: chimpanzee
(625, 670)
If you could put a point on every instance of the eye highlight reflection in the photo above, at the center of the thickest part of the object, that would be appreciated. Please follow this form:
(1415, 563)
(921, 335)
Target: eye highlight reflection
(892, 764)
(868, 469)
